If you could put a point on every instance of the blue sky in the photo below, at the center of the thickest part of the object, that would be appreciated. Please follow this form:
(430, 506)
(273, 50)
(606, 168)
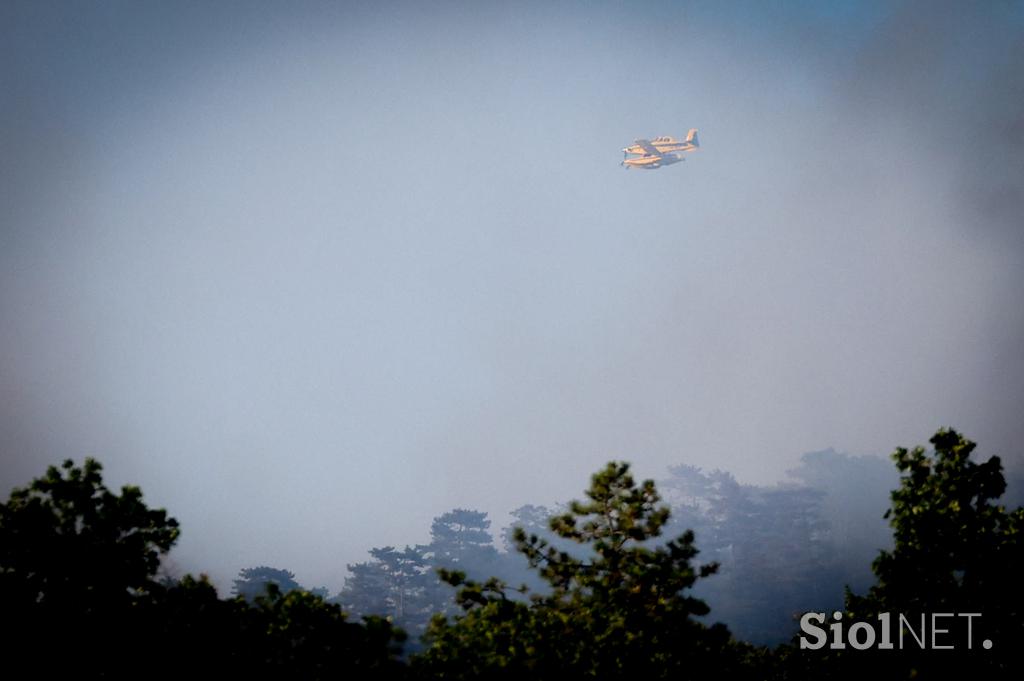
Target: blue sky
(314, 274)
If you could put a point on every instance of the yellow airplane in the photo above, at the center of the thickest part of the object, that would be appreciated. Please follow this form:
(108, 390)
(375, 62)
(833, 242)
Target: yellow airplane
(661, 151)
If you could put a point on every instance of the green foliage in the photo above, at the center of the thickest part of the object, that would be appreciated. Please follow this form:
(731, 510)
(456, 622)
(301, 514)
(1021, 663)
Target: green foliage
(622, 610)
(952, 544)
(955, 551)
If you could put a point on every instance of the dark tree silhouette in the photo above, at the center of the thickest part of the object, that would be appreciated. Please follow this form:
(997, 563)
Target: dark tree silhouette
(78, 566)
(955, 551)
(74, 558)
(255, 581)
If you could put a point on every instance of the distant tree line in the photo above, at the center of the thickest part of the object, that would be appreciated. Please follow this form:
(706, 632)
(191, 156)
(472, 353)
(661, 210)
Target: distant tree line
(607, 587)
(781, 550)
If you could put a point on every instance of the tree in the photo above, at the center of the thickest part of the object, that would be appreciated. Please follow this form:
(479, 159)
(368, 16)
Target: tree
(955, 551)
(81, 599)
(66, 536)
(513, 567)
(403, 585)
(460, 539)
(299, 635)
(397, 584)
(255, 581)
(366, 589)
(74, 559)
(405, 574)
(621, 611)
(277, 635)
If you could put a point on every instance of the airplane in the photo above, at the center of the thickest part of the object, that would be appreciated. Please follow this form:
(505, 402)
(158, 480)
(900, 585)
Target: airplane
(661, 151)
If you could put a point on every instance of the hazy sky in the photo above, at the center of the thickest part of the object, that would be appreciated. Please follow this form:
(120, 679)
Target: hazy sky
(314, 273)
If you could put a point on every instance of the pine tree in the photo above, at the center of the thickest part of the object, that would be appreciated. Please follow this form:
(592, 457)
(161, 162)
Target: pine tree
(621, 611)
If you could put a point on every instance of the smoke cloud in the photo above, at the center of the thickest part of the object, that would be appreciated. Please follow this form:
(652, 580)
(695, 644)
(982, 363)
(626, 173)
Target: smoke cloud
(314, 276)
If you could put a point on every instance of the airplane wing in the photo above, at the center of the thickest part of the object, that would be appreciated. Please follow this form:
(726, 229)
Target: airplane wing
(648, 147)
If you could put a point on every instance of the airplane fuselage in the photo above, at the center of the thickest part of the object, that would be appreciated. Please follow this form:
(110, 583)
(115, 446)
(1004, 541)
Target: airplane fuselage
(652, 162)
(662, 146)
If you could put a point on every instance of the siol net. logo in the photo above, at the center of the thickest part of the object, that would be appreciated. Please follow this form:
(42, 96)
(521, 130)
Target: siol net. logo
(922, 631)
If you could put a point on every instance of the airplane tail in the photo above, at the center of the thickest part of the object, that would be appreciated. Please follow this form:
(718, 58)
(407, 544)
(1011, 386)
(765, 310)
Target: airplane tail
(691, 137)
